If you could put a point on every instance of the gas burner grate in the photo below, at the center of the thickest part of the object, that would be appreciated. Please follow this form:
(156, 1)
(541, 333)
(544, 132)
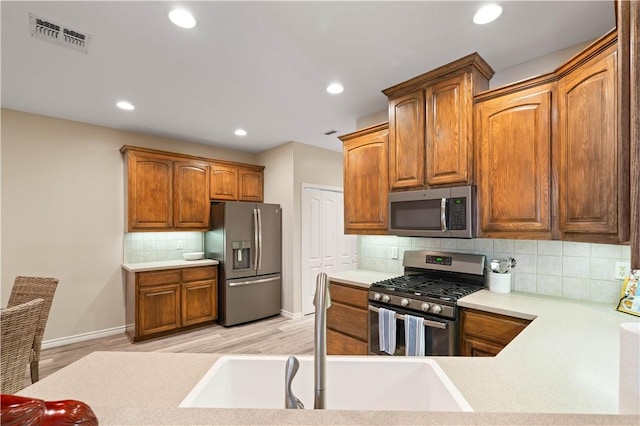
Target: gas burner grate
(425, 285)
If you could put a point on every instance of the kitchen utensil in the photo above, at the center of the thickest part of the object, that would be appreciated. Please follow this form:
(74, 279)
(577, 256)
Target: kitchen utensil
(502, 265)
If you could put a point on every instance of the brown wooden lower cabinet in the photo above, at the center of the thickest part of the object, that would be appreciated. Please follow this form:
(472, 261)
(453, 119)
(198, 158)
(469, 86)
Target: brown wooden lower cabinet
(171, 300)
(347, 320)
(158, 309)
(486, 334)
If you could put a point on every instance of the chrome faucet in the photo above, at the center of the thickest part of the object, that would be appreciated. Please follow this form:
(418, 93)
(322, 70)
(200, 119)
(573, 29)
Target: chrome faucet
(322, 302)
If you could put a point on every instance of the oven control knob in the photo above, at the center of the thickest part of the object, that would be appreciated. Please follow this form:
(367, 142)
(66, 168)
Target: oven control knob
(404, 302)
(386, 298)
(376, 296)
(425, 307)
(436, 309)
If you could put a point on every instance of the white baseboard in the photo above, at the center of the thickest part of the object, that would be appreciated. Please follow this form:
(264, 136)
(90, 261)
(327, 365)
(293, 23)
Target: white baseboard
(291, 315)
(53, 343)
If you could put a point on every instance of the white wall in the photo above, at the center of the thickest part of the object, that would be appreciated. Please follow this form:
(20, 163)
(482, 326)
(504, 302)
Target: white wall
(317, 166)
(534, 67)
(278, 188)
(370, 120)
(286, 168)
(62, 199)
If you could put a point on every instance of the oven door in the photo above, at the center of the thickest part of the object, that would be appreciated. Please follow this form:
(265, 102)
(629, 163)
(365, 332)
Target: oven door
(440, 335)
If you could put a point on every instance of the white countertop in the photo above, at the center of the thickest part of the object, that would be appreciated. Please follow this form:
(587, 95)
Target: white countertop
(563, 367)
(565, 361)
(166, 264)
(360, 277)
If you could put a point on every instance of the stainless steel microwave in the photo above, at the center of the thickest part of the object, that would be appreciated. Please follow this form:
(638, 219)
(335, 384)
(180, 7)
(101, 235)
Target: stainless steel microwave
(443, 212)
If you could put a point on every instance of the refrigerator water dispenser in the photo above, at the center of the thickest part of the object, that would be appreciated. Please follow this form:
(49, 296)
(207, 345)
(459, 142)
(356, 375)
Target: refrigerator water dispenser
(241, 254)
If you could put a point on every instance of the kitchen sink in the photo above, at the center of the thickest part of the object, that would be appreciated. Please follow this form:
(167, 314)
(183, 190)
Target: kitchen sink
(353, 383)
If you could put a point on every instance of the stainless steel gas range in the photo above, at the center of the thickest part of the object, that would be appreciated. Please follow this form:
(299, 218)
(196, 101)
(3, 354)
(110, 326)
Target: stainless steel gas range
(429, 289)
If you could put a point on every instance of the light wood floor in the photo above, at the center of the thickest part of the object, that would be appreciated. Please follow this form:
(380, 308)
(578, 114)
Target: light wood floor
(275, 335)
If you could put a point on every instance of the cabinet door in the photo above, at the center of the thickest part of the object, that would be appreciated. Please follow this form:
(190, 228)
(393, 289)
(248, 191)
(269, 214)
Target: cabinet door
(250, 185)
(158, 309)
(471, 346)
(191, 203)
(149, 192)
(341, 344)
(347, 320)
(224, 182)
(199, 302)
(486, 334)
(406, 141)
(449, 133)
(366, 182)
(199, 295)
(514, 135)
(588, 169)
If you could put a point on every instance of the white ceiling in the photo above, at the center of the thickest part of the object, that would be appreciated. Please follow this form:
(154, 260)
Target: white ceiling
(262, 66)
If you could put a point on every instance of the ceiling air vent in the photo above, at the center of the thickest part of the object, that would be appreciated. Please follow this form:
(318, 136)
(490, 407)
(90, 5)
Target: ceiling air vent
(47, 30)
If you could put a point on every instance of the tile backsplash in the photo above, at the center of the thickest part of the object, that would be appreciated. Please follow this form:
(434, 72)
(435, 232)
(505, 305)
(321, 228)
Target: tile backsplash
(559, 268)
(157, 246)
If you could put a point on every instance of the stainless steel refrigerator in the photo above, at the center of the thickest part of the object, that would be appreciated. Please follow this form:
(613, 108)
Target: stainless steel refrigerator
(246, 238)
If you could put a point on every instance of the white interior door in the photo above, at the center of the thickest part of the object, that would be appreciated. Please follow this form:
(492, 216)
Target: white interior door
(325, 247)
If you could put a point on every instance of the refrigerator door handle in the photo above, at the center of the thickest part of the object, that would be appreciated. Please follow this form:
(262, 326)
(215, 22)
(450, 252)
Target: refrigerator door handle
(256, 248)
(263, 280)
(259, 239)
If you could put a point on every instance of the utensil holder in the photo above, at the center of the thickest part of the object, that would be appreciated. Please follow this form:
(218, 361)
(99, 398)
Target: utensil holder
(500, 283)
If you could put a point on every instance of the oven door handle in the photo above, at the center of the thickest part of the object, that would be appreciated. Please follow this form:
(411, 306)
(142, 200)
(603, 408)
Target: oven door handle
(427, 322)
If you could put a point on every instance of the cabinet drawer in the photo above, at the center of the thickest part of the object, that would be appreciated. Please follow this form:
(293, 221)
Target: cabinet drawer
(199, 274)
(348, 320)
(159, 277)
(341, 344)
(492, 327)
(353, 296)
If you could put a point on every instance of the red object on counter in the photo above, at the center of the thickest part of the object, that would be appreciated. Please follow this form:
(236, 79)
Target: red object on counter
(21, 411)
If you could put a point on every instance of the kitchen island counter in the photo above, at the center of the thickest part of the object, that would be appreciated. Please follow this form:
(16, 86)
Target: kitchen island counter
(138, 388)
(566, 361)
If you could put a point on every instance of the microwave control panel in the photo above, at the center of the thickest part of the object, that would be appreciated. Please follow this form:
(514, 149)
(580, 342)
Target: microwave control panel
(458, 214)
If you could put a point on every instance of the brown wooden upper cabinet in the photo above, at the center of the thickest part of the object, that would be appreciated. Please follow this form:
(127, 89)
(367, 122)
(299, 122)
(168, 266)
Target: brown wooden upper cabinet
(236, 182)
(431, 125)
(366, 180)
(406, 134)
(593, 184)
(165, 192)
(191, 204)
(513, 173)
(551, 161)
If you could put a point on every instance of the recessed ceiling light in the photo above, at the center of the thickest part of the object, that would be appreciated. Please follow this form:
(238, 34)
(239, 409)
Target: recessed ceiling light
(335, 88)
(487, 14)
(240, 132)
(182, 18)
(125, 105)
